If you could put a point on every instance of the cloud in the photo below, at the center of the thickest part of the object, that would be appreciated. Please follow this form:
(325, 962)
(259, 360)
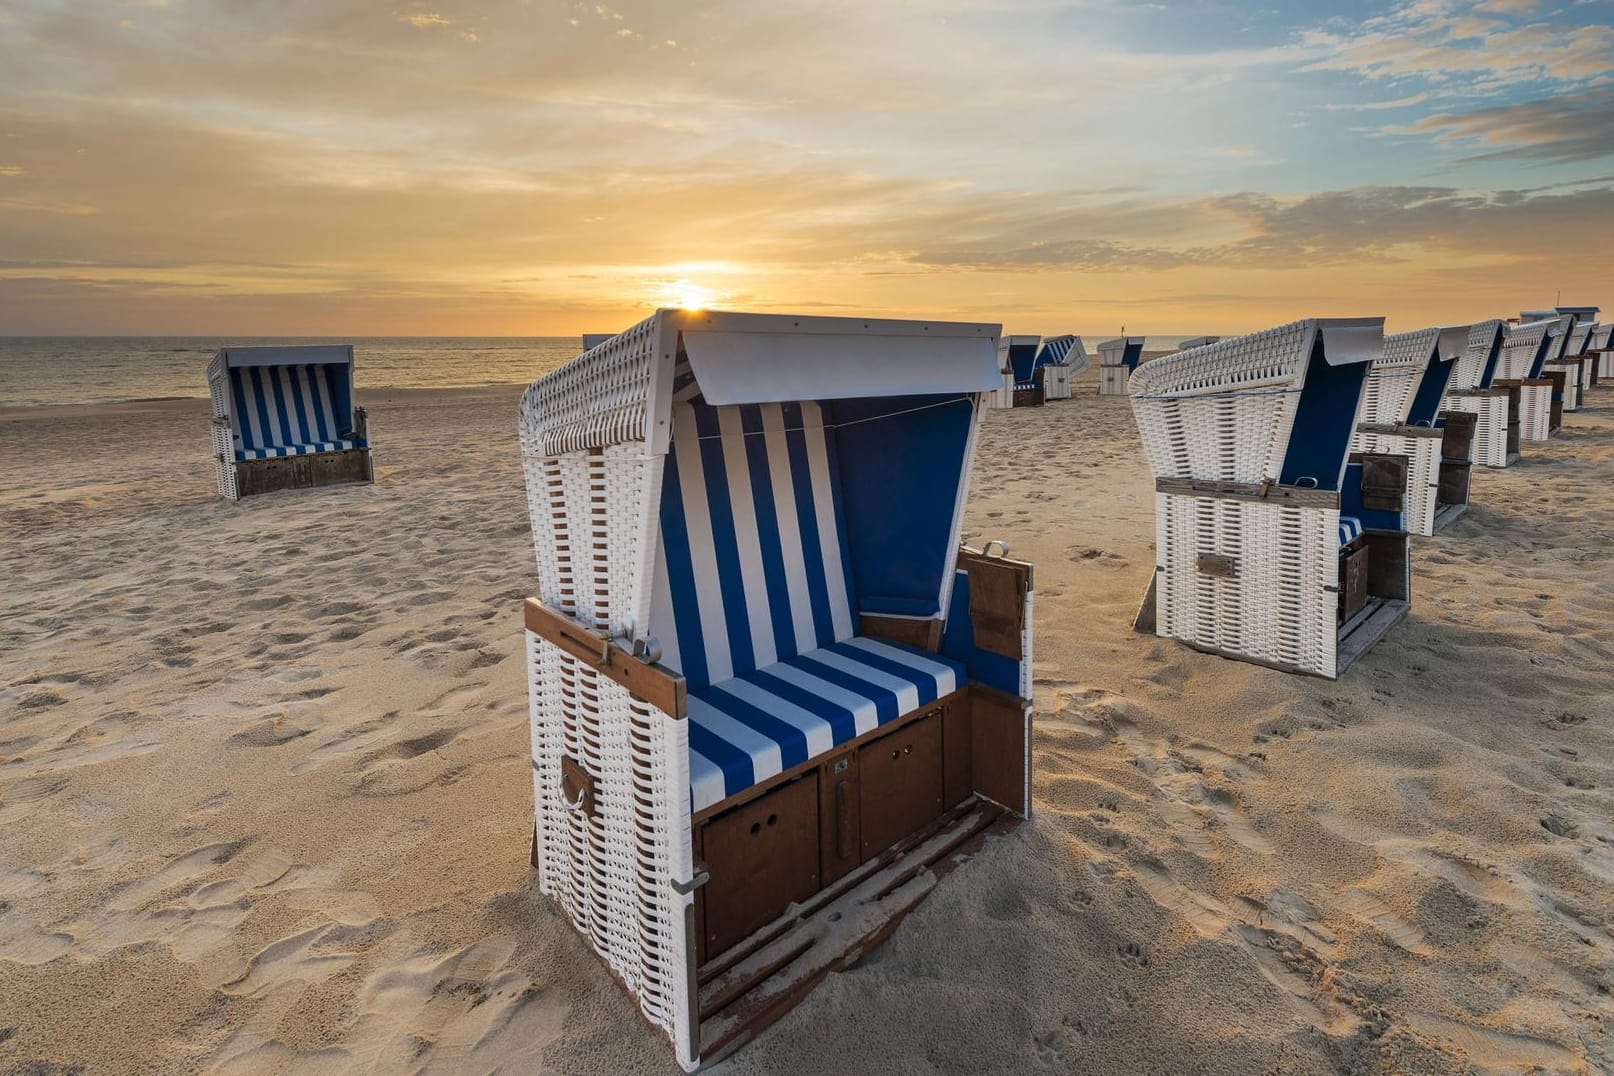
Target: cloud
(421, 20)
(1575, 127)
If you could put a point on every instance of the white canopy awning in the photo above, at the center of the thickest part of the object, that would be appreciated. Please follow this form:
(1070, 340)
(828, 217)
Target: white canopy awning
(296, 355)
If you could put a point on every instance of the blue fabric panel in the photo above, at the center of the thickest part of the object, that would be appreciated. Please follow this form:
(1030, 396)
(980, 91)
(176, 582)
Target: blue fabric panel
(1320, 439)
(807, 517)
(1541, 355)
(839, 717)
(1022, 360)
(1491, 360)
(684, 598)
(1350, 528)
(339, 386)
(902, 464)
(1132, 355)
(898, 607)
(958, 643)
(724, 540)
(885, 700)
(772, 549)
(1426, 401)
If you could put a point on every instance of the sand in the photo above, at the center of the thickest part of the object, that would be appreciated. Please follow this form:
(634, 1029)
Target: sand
(265, 804)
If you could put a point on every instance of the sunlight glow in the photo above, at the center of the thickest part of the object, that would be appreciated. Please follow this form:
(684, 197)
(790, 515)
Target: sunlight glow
(688, 295)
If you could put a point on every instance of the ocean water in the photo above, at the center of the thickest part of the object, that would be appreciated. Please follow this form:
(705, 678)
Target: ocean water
(37, 370)
(43, 370)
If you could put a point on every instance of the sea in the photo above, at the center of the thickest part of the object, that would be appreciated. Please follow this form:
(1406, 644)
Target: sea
(40, 371)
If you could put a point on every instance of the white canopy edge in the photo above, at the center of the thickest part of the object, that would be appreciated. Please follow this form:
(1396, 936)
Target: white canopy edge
(1197, 341)
(293, 355)
(1351, 340)
(781, 366)
(1453, 342)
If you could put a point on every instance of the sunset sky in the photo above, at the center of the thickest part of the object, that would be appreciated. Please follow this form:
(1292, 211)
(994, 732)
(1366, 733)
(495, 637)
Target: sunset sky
(539, 166)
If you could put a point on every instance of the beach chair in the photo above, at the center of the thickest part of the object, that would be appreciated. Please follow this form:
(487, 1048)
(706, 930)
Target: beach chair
(1197, 341)
(1519, 370)
(284, 418)
(1116, 360)
(1272, 544)
(1476, 411)
(1022, 384)
(1061, 360)
(1559, 367)
(1578, 349)
(1400, 416)
(1602, 354)
(772, 698)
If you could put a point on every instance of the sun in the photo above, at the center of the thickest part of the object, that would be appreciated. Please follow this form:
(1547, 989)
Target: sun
(688, 295)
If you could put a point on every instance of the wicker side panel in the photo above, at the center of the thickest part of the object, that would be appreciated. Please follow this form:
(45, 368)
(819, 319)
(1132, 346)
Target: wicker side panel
(1535, 412)
(1423, 473)
(599, 398)
(1112, 380)
(224, 461)
(1490, 448)
(612, 869)
(1571, 372)
(1605, 365)
(1277, 605)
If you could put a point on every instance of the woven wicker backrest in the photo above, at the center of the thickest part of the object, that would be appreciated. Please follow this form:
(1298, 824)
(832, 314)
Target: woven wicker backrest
(1394, 377)
(1477, 365)
(1525, 348)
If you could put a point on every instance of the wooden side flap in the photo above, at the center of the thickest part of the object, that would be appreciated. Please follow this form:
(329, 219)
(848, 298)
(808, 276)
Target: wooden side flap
(998, 588)
(1384, 482)
(577, 785)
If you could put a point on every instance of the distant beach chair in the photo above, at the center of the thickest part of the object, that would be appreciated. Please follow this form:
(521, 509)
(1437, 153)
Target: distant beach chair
(1272, 545)
(1022, 384)
(284, 418)
(1598, 347)
(1578, 350)
(1520, 370)
(1400, 416)
(1116, 360)
(772, 699)
(1559, 366)
(1472, 401)
(1061, 360)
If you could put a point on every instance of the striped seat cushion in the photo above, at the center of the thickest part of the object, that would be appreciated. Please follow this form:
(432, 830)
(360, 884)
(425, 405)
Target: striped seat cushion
(752, 566)
(288, 411)
(765, 721)
(1350, 529)
(279, 451)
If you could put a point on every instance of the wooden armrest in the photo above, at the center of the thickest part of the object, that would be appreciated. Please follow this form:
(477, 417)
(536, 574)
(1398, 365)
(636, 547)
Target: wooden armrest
(655, 684)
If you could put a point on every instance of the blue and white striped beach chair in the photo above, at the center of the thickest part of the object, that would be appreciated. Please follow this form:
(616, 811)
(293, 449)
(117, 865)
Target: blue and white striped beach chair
(767, 684)
(1061, 360)
(1264, 526)
(1400, 416)
(284, 418)
(1116, 360)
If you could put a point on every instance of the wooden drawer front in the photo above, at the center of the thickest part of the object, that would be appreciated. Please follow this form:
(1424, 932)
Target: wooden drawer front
(1353, 583)
(763, 856)
(900, 779)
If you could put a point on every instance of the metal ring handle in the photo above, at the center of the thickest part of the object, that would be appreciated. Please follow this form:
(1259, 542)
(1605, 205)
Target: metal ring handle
(1003, 548)
(1303, 479)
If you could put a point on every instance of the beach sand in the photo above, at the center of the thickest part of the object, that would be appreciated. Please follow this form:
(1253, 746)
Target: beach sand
(265, 799)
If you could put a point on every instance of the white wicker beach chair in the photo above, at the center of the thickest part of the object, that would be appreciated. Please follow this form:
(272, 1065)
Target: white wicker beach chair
(1272, 545)
(772, 698)
(1578, 351)
(1563, 368)
(1400, 416)
(1520, 370)
(1022, 385)
(1598, 347)
(284, 418)
(1116, 360)
(1061, 360)
(1490, 409)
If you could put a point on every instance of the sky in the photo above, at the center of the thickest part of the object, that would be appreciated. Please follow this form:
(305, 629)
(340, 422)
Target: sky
(538, 167)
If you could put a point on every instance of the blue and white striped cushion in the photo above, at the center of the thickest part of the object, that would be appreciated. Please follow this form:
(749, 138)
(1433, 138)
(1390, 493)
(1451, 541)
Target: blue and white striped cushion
(1350, 529)
(280, 451)
(286, 408)
(752, 566)
(765, 721)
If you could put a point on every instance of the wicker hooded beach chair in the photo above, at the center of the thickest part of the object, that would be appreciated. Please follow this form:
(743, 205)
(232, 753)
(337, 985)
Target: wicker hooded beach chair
(1061, 360)
(1401, 416)
(1602, 354)
(1578, 349)
(1520, 370)
(772, 698)
(284, 418)
(1022, 384)
(1473, 400)
(1562, 366)
(1116, 360)
(1272, 544)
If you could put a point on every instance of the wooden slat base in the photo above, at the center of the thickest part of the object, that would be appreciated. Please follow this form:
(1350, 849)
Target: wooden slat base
(755, 983)
(1366, 628)
(1447, 514)
(303, 472)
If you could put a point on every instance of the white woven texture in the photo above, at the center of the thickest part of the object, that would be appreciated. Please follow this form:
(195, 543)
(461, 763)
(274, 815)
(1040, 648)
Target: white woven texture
(1392, 381)
(1423, 473)
(1535, 412)
(1277, 607)
(1571, 393)
(1471, 366)
(1056, 382)
(1224, 411)
(1112, 380)
(599, 398)
(593, 491)
(1579, 336)
(223, 441)
(1519, 350)
(1605, 366)
(1490, 446)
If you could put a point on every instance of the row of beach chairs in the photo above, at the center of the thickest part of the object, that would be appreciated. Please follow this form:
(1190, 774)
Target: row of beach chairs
(773, 697)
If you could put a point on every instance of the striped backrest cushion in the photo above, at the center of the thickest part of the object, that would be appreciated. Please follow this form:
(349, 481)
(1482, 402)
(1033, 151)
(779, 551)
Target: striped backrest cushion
(284, 405)
(752, 565)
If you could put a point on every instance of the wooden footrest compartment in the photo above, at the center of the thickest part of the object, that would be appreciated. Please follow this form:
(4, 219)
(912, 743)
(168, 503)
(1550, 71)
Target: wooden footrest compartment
(755, 983)
(303, 472)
